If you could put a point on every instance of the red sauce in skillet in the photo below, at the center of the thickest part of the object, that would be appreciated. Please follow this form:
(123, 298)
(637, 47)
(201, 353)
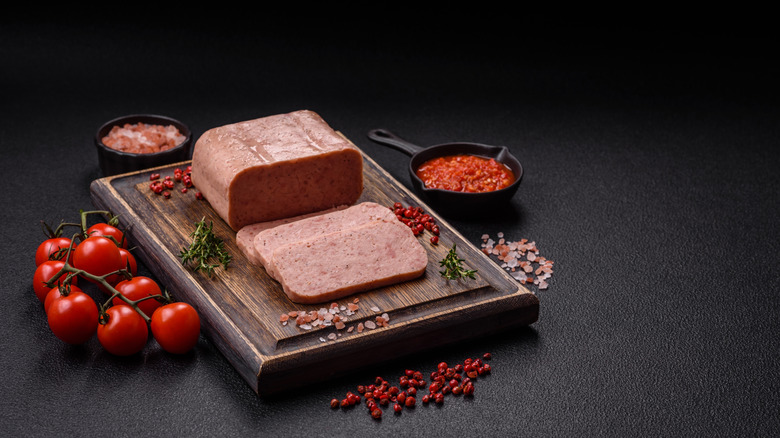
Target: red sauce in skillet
(465, 173)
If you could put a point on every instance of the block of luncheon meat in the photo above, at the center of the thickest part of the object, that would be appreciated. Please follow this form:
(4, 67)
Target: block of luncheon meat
(268, 240)
(334, 265)
(276, 167)
(245, 237)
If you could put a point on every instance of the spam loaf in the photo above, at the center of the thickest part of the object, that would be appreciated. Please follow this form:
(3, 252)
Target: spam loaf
(288, 184)
(276, 167)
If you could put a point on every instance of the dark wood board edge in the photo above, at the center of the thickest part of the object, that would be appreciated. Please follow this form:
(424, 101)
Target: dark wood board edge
(445, 328)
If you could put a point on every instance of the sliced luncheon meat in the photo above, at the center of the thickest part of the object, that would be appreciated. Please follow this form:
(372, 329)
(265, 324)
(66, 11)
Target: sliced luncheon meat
(245, 237)
(331, 266)
(276, 167)
(268, 240)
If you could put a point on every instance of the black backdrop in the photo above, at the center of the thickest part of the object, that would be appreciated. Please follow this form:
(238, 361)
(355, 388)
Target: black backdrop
(651, 180)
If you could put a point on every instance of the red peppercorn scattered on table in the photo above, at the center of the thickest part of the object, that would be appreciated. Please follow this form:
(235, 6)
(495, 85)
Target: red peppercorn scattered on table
(454, 380)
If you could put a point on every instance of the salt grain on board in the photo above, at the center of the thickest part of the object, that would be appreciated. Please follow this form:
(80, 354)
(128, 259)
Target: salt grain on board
(333, 316)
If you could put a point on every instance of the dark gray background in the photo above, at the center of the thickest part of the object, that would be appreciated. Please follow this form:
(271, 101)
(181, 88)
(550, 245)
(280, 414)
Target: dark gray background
(651, 180)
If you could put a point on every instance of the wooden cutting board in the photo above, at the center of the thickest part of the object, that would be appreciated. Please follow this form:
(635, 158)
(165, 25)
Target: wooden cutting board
(240, 306)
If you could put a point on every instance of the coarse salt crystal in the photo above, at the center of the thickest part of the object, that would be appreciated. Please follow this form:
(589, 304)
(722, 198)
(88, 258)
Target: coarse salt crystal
(375, 308)
(370, 325)
(519, 276)
(521, 254)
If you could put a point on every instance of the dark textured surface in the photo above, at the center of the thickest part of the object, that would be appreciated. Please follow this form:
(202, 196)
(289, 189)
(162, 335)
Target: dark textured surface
(651, 179)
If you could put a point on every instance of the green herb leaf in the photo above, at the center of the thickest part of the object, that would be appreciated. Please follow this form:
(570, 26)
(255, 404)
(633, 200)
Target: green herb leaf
(453, 268)
(205, 247)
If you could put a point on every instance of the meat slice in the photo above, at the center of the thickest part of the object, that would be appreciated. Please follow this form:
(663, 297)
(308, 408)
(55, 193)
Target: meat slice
(267, 241)
(275, 167)
(245, 237)
(334, 265)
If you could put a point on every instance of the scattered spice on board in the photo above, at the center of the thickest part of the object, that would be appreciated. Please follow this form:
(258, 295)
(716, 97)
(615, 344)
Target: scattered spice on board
(168, 183)
(416, 219)
(337, 316)
(521, 258)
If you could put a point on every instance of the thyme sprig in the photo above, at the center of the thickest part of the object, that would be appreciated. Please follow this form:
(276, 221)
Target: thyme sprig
(205, 247)
(453, 269)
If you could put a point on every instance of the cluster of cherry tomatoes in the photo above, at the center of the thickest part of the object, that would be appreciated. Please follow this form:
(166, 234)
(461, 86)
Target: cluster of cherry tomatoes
(134, 305)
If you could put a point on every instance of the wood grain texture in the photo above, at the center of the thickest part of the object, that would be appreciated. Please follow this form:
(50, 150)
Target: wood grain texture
(240, 306)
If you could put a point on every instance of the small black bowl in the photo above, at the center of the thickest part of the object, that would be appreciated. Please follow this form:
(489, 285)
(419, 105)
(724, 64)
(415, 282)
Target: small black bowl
(447, 199)
(114, 162)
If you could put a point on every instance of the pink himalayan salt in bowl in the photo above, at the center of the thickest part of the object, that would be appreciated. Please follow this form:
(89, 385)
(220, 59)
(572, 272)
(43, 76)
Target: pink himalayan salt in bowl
(141, 141)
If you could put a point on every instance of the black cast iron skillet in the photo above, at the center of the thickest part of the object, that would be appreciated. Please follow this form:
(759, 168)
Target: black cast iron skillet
(447, 199)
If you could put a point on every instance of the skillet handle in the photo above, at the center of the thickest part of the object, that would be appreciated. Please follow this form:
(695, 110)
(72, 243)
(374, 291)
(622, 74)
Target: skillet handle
(387, 138)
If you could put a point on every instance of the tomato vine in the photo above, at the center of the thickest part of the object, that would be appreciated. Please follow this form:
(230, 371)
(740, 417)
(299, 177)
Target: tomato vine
(98, 255)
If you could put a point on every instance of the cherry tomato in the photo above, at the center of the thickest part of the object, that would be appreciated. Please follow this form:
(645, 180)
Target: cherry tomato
(137, 288)
(50, 246)
(53, 294)
(124, 331)
(176, 327)
(45, 272)
(98, 256)
(73, 318)
(128, 262)
(104, 229)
